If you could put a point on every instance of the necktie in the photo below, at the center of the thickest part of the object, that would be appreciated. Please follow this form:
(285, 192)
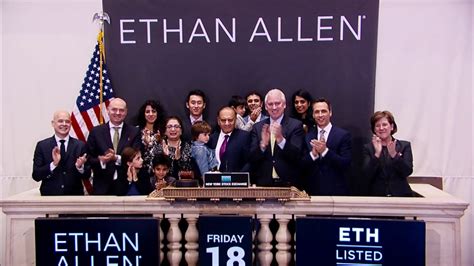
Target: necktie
(223, 147)
(321, 135)
(272, 142)
(62, 149)
(272, 146)
(116, 138)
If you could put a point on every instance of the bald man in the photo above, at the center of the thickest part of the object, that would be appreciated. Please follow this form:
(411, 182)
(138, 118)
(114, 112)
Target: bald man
(105, 144)
(276, 145)
(59, 161)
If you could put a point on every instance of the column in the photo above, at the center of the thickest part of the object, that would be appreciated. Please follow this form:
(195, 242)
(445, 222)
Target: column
(192, 237)
(174, 238)
(265, 238)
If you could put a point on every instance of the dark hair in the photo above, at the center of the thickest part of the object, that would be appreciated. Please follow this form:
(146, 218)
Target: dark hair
(381, 114)
(305, 95)
(160, 115)
(180, 122)
(254, 93)
(237, 100)
(128, 154)
(322, 100)
(161, 159)
(200, 127)
(198, 93)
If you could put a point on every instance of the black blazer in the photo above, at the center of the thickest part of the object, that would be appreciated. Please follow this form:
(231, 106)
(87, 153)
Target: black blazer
(65, 179)
(328, 175)
(285, 161)
(388, 176)
(236, 155)
(98, 142)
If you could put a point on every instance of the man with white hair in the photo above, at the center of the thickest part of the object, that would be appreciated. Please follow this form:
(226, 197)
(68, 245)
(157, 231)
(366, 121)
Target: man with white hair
(276, 145)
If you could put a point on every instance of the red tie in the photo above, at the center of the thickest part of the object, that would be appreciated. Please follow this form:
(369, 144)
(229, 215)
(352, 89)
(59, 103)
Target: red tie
(223, 146)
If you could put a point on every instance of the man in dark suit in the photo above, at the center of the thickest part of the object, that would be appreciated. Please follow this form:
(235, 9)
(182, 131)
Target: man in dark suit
(59, 161)
(196, 104)
(328, 155)
(105, 144)
(231, 144)
(276, 145)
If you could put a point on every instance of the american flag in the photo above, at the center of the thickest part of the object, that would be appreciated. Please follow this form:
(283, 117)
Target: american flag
(86, 112)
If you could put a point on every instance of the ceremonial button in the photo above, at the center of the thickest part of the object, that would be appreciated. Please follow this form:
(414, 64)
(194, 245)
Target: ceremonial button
(62, 186)
(64, 173)
(273, 161)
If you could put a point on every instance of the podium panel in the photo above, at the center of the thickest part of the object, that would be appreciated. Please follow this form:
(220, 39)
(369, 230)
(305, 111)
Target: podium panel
(331, 241)
(225, 240)
(110, 241)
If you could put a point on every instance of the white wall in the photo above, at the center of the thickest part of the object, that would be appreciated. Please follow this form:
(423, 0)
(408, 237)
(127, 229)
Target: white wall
(424, 76)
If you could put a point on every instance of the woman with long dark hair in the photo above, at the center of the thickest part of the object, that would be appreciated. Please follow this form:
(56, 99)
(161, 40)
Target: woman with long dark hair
(150, 120)
(301, 108)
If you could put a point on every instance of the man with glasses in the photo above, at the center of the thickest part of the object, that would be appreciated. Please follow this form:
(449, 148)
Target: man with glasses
(231, 145)
(276, 144)
(105, 144)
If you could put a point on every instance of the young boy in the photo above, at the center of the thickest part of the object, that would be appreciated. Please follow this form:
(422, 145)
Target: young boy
(161, 168)
(204, 156)
(238, 104)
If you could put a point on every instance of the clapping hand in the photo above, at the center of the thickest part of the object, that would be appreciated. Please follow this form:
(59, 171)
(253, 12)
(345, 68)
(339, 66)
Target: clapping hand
(108, 156)
(275, 129)
(318, 146)
(56, 154)
(165, 146)
(265, 136)
(391, 147)
(132, 174)
(81, 160)
(146, 136)
(377, 143)
(255, 113)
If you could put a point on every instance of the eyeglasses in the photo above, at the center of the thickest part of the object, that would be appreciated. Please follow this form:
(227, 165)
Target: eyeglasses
(173, 126)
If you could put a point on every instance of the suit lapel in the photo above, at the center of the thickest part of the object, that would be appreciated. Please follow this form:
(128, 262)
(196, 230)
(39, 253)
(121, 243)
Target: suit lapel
(213, 140)
(70, 148)
(107, 137)
(123, 138)
(330, 137)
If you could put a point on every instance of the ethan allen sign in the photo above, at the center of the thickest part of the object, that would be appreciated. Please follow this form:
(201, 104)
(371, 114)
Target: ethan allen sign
(74, 242)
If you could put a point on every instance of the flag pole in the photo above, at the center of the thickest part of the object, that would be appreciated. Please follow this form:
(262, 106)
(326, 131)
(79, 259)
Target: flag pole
(101, 17)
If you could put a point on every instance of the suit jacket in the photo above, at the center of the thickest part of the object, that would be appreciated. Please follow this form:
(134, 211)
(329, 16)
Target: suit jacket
(64, 179)
(236, 154)
(328, 175)
(262, 117)
(186, 130)
(388, 176)
(285, 161)
(98, 142)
